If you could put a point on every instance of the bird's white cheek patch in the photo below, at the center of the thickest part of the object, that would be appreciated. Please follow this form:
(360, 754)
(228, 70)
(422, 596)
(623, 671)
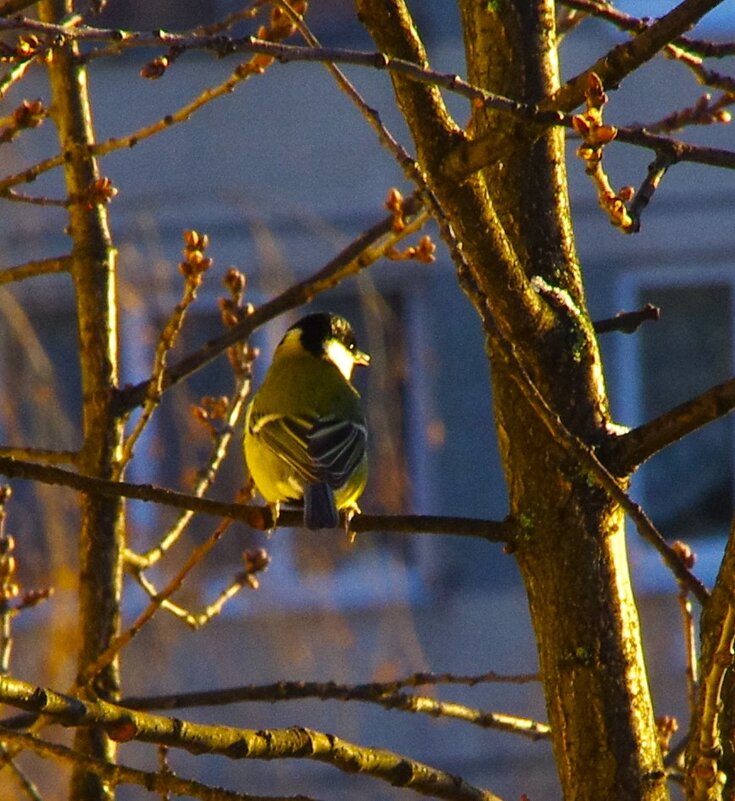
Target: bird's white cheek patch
(340, 356)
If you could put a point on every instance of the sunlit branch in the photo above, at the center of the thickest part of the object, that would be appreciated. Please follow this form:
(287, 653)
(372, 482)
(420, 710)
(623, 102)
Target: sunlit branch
(286, 690)
(162, 782)
(40, 455)
(195, 620)
(705, 778)
(28, 788)
(627, 451)
(193, 268)
(369, 693)
(292, 743)
(31, 269)
(14, 75)
(18, 197)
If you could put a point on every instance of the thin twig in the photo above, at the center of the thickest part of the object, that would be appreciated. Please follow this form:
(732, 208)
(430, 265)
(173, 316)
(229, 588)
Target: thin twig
(379, 694)
(687, 621)
(656, 171)
(287, 690)
(283, 53)
(631, 24)
(206, 476)
(121, 640)
(195, 621)
(628, 322)
(28, 788)
(193, 267)
(678, 150)
(31, 269)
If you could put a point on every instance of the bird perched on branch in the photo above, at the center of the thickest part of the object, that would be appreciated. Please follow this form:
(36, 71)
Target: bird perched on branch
(305, 433)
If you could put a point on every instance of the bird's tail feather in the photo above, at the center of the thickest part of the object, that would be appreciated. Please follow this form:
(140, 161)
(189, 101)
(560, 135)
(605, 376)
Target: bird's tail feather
(320, 510)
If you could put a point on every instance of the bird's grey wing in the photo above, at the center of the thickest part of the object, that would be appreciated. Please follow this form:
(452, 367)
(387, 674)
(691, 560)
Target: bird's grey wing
(335, 447)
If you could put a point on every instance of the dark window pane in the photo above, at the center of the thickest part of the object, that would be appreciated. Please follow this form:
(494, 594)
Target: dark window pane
(688, 487)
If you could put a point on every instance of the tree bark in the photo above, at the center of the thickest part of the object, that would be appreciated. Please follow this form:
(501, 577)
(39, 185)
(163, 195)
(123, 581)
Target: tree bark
(93, 272)
(519, 261)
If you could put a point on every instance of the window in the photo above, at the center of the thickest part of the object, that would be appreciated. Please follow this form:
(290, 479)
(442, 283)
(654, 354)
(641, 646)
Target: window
(687, 489)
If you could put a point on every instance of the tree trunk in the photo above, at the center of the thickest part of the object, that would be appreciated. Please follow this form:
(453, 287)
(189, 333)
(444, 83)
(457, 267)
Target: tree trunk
(101, 536)
(517, 261)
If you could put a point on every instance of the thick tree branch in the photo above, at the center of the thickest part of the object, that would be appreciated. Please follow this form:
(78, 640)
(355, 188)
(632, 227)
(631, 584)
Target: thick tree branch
(101, 535)
(255, 516)
(294, 743)
(625, 452)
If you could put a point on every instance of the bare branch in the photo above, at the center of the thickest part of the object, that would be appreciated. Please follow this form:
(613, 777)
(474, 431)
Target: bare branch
(627, 451)
(289, 690)
(292, 743)
(193, 268)
(625, 58)
(121, 640)
(207, 475)
(635, 25)
(679, 151)
(382, 694)
(628, 322)
(255, 516)
(656, 171)
(40, 455)
(163, 782)
(31, 269)
(283, 53)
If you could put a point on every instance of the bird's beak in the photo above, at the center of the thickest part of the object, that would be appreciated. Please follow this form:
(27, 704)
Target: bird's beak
(361, 357)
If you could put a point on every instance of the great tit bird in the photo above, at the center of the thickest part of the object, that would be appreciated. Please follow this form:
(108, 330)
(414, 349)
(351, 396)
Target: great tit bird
(305, 433)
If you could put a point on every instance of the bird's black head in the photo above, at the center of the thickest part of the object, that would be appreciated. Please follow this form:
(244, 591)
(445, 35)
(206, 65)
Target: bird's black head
(320, 327)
